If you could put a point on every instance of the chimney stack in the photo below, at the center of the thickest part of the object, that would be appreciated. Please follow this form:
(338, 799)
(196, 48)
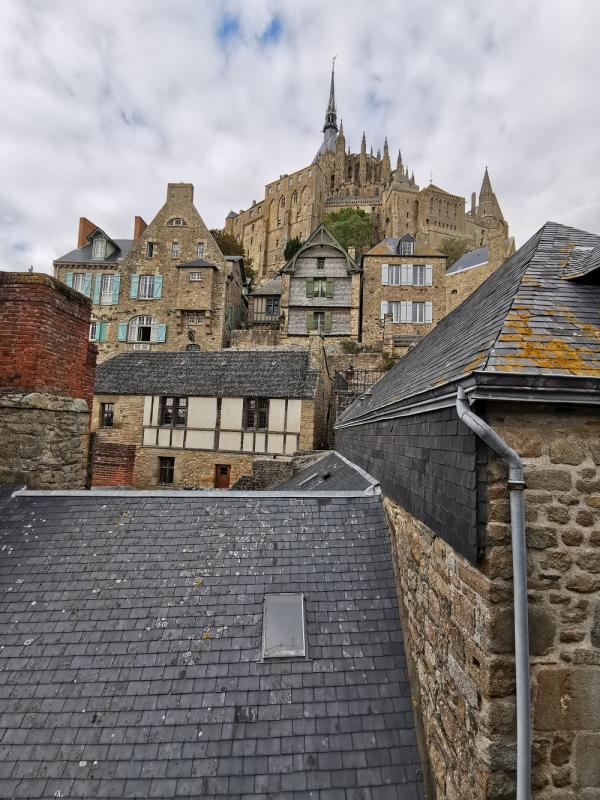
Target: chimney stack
(139, 226)
(86, 226)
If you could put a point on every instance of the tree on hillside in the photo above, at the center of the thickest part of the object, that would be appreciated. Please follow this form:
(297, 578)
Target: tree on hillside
(453, 249)
(230, 246)
(352, 227)
(291, 247)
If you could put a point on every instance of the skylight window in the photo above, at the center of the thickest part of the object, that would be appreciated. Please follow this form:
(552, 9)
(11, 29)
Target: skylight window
(284, 626)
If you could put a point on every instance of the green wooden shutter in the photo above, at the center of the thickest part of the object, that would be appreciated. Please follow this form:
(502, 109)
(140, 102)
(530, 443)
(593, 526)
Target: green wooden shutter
(102, 328)
(327, 323)
(69, 279)
(122, 332)
(310, 321)
(97, 284)
(329, 287)
(87, 284)
(161, 333)
(310, 287)
(157, 287)
(116, 286)
(135, 282)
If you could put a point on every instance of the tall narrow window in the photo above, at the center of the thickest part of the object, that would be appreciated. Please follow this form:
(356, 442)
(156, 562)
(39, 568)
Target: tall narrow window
(284, 626)
(99, 247)
(106, 289)
(146, 287)
(166, 468)
(79, 281)
(256, 413)
(319, 321)
(173, 412)
(320, 263)
(175, 250)
(200, 250)
(107, 415)
(149, 249)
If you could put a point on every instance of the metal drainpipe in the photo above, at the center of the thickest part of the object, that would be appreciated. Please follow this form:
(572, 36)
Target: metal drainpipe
(516, 485)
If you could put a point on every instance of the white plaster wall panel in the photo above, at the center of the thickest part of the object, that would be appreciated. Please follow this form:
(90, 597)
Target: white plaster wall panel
(202, 412)
(164, 437)
(231, 413)
(275, 443)
(230, 440)
(291, 444)
(200, 440)
(260, 442)
(177, 438)
(277, 415)
(147, 410)
(248, 442)
(154, 420)
(294, 411)
(149, 436)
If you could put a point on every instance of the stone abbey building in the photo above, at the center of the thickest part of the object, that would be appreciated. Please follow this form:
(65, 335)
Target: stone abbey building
(296, 203)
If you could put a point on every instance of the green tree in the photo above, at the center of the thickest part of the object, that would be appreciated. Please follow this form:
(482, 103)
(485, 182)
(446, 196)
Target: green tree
(352, 227)
(453, 249)
(291, 247)
(230, 246)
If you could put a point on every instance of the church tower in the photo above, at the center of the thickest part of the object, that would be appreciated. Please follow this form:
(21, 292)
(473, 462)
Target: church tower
(489, 208)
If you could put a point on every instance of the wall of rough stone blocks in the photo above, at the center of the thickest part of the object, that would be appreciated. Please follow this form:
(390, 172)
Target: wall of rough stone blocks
(458, 619)
(193, 468)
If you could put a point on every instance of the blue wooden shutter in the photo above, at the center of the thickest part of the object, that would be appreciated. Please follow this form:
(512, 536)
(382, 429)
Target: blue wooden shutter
(97, 284)
(102, 331)
(116, 285)
(87, 284)
(157, 287)
(135, 282)
(122, 332)
(161, 333)
(69, 279)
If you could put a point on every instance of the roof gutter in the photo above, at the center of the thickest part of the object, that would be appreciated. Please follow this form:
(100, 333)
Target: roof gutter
(516, 485)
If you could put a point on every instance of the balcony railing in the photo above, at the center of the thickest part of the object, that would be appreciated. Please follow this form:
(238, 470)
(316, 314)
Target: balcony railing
(264, 318)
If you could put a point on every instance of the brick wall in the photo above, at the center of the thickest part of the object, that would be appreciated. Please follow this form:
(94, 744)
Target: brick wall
(428, 464)
(112, 464)
(44, 337)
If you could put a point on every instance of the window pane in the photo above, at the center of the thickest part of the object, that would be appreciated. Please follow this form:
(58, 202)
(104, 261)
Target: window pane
(146, 287)
(283, 626)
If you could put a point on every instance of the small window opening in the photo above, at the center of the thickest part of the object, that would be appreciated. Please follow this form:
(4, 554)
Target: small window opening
(284, 626)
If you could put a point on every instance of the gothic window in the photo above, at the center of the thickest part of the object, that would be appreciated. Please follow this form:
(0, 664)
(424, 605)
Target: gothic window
(282, 203)
(295, 198)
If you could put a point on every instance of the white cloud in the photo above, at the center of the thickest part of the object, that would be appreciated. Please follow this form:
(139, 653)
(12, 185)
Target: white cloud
(105, 102)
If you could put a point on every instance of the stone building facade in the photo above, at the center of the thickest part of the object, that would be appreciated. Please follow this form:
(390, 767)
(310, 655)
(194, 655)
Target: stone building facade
(525, 349)
(296, 203)
(47, 368)
(403, 293)
(202, 419)
(169, 286)
(320, 290)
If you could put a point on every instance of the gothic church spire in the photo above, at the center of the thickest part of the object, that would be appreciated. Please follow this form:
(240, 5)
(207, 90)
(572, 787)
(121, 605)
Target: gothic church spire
(331, 113)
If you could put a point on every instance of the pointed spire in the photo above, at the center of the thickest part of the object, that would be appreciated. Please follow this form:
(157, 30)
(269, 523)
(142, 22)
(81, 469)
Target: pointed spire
(486, 186)
(385, 164)
(378, 154)
(385, 146)
(399, 161)
(363, 143)
(341, 130)
(331, 113)
(412, 177)
(371, 153)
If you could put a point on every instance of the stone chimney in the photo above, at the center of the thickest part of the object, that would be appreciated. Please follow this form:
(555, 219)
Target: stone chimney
(473, 202)
(139, 226)
(47, 374)
(86, 226)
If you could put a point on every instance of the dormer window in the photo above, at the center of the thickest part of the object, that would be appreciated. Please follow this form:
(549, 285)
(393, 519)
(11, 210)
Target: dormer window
(99, 247)
(408, 248)
(177, 222)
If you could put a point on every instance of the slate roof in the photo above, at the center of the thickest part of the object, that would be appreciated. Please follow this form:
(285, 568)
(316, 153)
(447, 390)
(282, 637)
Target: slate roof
(526, 318)
(389, 247)
(199, 262)
(475, 258)
(225, 373)
(82, 255)
(272, 287)
(131, 650)
(333, 472)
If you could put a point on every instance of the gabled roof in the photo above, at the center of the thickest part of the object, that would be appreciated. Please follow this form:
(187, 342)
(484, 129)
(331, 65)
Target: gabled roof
(82, 255)
(225, 373)
(321, 235)
(131, 651)
(272, 287)
(524, 319)
(476, 258)
(333, 472)
(389, 247)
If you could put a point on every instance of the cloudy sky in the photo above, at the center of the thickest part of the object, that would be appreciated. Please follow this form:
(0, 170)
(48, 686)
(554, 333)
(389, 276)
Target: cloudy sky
(105, 101)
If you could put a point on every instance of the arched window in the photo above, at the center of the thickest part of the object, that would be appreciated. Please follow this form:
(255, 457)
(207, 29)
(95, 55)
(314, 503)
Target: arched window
(145, 329)
(295, 197)
(282, 202)
(177, 222)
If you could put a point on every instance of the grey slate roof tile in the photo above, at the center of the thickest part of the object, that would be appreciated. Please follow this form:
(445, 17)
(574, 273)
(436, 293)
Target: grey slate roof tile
(159, 711)
(83, 255)
(330, 473)
(226, 373)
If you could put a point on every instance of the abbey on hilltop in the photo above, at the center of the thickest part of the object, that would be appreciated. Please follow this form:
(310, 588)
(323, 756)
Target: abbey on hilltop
(296, 203)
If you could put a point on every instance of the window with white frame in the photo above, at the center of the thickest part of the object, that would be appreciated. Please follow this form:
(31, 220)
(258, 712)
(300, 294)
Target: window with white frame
(175, 250)
(106, 289)
(408, 312)
(195, 276)
(406, 274)
(408, 248)
(146, 287)
(93, 330)
(177, 222)
(143, 329)
(99, 247)
(195, 317)
(200, 250)
(79, 281)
